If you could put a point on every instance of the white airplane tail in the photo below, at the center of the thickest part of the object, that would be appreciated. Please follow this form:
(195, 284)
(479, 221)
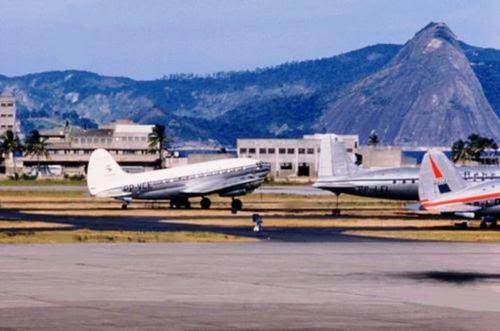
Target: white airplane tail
(334, 160)
(103, 171)
(438, 176)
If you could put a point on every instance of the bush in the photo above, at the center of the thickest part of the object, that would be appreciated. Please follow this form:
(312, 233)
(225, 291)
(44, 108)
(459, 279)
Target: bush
(77, 177)
(28, 177)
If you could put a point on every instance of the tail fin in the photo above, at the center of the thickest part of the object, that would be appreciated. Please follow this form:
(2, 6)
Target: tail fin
(438, 176)
(334, 160)
(103, 171)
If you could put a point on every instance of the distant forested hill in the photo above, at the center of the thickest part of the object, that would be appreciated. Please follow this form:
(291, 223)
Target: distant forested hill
(282, 101)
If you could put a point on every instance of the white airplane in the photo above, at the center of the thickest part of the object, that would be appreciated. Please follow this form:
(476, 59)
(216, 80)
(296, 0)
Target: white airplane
(443, 190)
(339, 174)
(228, 178)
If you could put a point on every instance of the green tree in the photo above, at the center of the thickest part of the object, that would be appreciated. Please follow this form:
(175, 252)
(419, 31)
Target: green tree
(36, 146)
(472, 148)
(459, 151)
(10, 144)
(159, 140)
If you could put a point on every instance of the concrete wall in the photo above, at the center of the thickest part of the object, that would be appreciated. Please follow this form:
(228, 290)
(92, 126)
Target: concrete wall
(202, 157)
(381, 156)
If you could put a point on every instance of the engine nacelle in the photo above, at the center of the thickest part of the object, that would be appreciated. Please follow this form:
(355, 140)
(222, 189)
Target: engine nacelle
(234, 193)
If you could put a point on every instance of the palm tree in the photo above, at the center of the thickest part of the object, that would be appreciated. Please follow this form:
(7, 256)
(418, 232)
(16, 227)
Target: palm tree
(459, 151)
(158, 140)
(36, 145)
(472, 148)
(373, 139)
(9, 145)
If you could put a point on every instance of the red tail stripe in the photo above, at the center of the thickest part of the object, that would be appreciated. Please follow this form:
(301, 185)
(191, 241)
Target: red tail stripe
(435, 169)
(462, 200)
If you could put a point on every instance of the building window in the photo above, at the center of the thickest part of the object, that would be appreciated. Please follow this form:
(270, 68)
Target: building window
(290, 151)
(302, 150)
(270, 151)
(262, 150)
(282, 150)
(251, 151)
(286, 166)
(243, 150)
(349, 150)
(310, 151)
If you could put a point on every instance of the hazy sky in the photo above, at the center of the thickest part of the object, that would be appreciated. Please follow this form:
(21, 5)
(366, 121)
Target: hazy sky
(147, 39)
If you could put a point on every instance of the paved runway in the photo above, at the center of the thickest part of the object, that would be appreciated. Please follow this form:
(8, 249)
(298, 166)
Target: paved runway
(345, 285)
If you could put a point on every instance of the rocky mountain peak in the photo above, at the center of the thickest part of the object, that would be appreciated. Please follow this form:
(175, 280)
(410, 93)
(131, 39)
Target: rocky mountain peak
(427, 94)
(433, 39)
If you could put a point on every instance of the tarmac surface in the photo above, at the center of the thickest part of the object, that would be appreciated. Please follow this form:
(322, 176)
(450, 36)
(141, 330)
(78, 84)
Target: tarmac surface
(344, 284)
(271, 189)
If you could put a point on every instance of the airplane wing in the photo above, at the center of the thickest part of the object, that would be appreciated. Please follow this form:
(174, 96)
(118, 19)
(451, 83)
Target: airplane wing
(461, 208)
(208, 187)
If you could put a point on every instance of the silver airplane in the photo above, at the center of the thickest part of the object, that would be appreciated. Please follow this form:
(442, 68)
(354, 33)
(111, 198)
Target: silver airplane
(339, 174)
(443, 190)
(228, 178)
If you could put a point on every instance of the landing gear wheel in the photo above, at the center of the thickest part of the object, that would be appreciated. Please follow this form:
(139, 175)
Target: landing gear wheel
(236, 204)
(124, 205)
(205, 203)
(483, 225)
(180, 203)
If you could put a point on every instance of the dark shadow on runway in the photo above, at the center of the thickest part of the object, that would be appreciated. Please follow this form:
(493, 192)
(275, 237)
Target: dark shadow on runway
(453, 277)
(301, 233)
(156, 223)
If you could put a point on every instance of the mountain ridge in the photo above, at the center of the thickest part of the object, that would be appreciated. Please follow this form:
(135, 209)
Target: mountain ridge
(286, 100)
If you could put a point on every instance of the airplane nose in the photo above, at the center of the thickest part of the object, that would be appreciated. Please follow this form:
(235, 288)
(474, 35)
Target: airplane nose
(266, 166)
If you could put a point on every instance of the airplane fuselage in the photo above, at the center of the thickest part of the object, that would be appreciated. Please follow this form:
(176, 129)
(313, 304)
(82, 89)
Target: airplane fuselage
(394, 183)
(231, 177)
(484, 195)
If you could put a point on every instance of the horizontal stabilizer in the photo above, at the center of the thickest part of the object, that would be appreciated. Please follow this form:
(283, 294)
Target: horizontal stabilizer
(461, 208)
(414, 207)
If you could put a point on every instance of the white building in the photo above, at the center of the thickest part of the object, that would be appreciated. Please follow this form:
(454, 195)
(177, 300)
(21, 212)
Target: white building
(292, 157)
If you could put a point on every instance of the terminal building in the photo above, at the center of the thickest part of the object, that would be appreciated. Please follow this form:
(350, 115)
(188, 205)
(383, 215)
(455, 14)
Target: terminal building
(69, 148)
(292, 157)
